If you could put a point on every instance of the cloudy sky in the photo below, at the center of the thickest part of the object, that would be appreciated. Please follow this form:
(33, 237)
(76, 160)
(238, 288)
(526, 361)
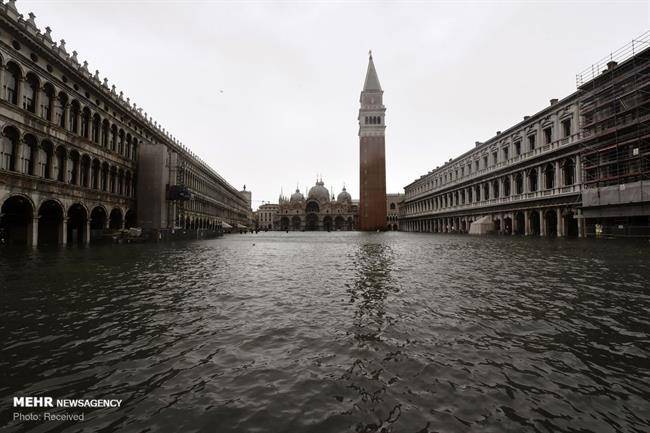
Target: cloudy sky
(268, 92)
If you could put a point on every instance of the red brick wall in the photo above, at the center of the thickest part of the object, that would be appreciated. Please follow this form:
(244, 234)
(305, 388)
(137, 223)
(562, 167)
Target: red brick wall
(372, 199)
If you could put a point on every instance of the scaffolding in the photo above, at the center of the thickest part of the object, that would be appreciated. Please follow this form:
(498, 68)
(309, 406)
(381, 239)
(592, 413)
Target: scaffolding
(614, 111)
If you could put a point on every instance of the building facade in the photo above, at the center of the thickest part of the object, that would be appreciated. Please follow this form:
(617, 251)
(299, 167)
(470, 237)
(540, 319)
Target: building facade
(266, 215)
(557, 173)
(392, 210)
(318, 211)
(75, 154)
(372, 153)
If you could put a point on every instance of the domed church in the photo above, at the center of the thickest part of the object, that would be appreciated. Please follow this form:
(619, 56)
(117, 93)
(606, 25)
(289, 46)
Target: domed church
(319, 211)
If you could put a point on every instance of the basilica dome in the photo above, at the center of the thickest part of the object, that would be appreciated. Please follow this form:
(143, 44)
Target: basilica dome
(319, 192)
(296, 197)
(344, 197)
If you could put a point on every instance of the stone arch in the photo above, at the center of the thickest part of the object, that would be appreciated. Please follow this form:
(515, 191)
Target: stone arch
(78, 224)
(532, 180)
(96, 128)
(550, 223)
(86, 119)
(50, 222)
(16, 219)
(84, 170)
(115, 219)
(327, 223)
(130, 219)
(519, 184)
(284, 223)
(350, 225)
(98, 218)
(535, 223)
(296, 222)
(520, 223)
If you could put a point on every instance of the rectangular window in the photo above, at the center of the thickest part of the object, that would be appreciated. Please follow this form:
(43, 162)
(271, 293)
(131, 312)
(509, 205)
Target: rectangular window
(505, 154)
(566, 128)
(495, 157)
(485, 162)
(518, 148)
(548, 135)
(531, 142)
(476, 164)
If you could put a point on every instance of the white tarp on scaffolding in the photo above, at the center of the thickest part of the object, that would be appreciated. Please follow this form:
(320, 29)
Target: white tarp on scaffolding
(482, 226)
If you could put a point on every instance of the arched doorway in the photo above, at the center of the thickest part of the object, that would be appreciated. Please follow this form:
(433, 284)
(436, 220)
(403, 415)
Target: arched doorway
(16, 220)
(507, 225)
(550, 220)
(115, 219)
(295, 223)
(312, 206)
(327, 223)
(520, 220)
(77, 217)
(339, 223)
(350, 223)
(97, 222)
(497, 225)
(463, 226)
(534, 223)
(284, 223)
(130, 219)
(50, 223)
(312, 222)
(571, 224)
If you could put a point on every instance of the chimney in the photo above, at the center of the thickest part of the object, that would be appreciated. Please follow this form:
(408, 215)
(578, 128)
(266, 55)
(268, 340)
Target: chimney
(477, 143)
(611, 65)
(554, 101)
(526, 117)
(498, 132)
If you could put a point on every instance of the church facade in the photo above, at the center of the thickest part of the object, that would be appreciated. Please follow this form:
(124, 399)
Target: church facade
(317, 212)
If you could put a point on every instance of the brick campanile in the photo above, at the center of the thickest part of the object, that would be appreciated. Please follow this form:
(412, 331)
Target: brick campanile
(372, 153)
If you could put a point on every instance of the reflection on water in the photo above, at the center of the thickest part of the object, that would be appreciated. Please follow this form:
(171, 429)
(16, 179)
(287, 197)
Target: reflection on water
(333, 332)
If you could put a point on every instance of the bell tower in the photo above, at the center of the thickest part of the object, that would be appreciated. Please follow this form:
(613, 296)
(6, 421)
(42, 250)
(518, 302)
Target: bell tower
(372, 153)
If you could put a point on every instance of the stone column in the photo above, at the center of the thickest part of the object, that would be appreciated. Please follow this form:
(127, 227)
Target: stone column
(63, 232)
(86, 234)
(527, 222)
(578, 169)
(33, 232)
(542, 223)
(560, 223)
(558, 175)
(582, 229)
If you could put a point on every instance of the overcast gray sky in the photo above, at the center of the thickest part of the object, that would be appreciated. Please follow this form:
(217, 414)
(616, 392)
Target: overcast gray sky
(268, 93)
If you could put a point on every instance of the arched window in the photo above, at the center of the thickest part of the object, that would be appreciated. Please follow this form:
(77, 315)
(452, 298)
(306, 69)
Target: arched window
(569, 172)
(9, 148)
(127, 148)
(495, 188)
(120, 146)
(75, 111)
(519, 183)
(105, 132)
(506, 187)
(48, 102)
(392, 206)
(549, 176)
(97, 121)
(31, 92)
(62, 101)
(13, 81)
(85, 122)
(113, 138)
(532, 180)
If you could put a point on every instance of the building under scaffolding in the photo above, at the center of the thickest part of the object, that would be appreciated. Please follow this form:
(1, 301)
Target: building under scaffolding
(615, 127)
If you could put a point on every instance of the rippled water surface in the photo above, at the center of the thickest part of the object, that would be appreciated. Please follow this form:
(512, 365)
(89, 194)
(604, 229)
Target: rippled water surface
(338, 332)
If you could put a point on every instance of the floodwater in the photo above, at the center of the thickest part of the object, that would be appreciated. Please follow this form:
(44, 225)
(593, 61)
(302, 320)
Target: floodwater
(332, 332)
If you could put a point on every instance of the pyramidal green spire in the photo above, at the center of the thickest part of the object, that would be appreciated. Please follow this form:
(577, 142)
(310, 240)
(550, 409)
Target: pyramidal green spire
(372, 81)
